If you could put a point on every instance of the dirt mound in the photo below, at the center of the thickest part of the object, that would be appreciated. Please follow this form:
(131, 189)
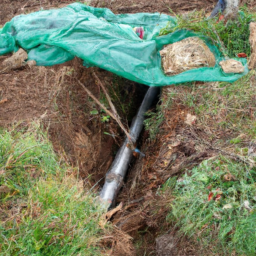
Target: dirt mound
(52, 95)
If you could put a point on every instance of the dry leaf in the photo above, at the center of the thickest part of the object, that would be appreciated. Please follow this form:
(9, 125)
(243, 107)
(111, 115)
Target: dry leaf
(210, 196)
(218, 197)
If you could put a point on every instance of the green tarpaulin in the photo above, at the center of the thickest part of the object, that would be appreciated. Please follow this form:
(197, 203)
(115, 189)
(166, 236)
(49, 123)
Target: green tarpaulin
(105, 40)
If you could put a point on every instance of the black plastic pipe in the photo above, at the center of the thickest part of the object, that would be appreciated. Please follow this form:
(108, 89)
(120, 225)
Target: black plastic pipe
(116, 173)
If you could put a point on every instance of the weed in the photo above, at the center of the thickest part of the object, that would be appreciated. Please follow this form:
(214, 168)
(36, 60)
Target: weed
(123, 95)
(231, 38)
(223, 106)
(154, 121)
(44, 209)
(216, 203)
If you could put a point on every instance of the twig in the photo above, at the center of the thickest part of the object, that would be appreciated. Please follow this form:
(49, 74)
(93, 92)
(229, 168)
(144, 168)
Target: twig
(116, 118)
(107, 95)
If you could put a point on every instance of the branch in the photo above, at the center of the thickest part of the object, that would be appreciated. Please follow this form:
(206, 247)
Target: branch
(115, 117)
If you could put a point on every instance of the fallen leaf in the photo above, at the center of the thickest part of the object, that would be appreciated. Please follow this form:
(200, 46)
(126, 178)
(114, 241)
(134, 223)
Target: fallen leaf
(210, 196)
(218, 197)
(190, 119)
(242, 55)
(3, 101)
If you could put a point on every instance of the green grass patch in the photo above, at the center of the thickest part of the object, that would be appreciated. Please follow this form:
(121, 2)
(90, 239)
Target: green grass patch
(231, 38)
(216, 204)
(223, 106)
(154, 121)
(44, 208)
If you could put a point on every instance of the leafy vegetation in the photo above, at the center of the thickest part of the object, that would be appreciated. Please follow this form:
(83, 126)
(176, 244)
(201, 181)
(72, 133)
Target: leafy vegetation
(44, 209)
(154, 121)
(217, 200)
(231, 38)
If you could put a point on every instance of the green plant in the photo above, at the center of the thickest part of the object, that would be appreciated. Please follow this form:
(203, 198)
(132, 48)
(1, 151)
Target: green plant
(105, 119)
(216, 204)
(154, 121)
(44, 208)
(231, 38)
(231, 106)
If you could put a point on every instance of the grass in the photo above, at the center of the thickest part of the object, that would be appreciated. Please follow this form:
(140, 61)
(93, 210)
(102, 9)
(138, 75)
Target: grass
(216, 203)
(156, 117)
(44, 208)
(154, 121)
(223, 107)
(231, 38)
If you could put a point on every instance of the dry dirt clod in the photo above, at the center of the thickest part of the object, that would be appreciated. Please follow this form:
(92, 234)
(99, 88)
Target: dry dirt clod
(190, 53)
(252, 39)
(17, 60)
(231, 66)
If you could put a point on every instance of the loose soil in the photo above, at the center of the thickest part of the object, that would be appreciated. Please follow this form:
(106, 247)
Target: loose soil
(53, 97)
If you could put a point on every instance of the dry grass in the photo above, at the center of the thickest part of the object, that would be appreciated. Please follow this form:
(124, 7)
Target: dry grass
(190, 53)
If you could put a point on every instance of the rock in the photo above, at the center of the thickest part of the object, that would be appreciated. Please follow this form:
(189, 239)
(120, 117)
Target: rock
(166, 245)
(190, 53)
(252, 39)
(232, 66)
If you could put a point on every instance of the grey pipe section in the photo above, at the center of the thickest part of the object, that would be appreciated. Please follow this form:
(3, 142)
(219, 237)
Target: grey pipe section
(118, 169)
